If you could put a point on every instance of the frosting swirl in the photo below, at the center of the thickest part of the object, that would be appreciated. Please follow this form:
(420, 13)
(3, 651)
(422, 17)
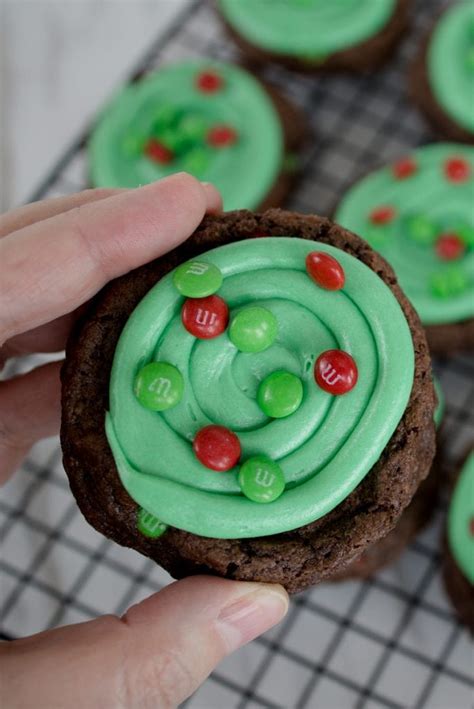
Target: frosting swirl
(324, 448)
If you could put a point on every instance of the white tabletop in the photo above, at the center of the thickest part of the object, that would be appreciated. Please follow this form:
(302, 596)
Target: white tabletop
(61, 59)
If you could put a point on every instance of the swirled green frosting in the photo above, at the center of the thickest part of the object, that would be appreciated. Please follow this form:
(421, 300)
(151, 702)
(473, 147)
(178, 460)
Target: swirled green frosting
(461, 520)
(426, 205)
(325, 448)
(307, 28)
(170, 108)
(450, 63)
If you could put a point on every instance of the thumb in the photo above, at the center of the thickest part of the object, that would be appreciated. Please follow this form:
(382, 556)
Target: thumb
(153, 657)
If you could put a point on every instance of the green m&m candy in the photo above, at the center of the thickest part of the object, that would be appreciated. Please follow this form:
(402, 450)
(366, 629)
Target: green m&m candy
(149, 525)
(173, 140)
(164, 117)
(261, 479)
(280, 394)
(196, 160)
(253, 329)
(197, 279)
(159, 386)
(133, 144)
(450, 282)
(193, 127)
(421, 229)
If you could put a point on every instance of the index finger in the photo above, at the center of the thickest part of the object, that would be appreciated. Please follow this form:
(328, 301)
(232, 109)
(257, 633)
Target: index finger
(21, 217)
(51, 267)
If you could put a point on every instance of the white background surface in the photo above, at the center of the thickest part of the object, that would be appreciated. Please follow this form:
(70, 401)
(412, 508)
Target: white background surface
(59, 60)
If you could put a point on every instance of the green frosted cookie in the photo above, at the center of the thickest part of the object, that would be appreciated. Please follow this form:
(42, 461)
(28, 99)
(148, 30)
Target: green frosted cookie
(211, 119)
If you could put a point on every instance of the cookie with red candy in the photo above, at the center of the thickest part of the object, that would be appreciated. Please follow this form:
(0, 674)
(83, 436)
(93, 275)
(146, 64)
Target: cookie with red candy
(207, 118)
(276, 448)
(417, 212)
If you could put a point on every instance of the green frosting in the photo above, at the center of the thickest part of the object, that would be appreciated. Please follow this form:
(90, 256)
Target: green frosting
(461, 520)
(324, 448)
(426, 205)
(308, 29)
(169, 107)
(450, 63)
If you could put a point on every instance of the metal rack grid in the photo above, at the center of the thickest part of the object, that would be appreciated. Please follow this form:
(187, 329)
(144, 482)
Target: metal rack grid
(392, 641)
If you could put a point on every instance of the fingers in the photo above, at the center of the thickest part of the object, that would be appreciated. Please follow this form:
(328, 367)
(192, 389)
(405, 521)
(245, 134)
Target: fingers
(51, 337)
(37, 211)
(213, 198)
(51, 267)
(152, 658)
(29, 410)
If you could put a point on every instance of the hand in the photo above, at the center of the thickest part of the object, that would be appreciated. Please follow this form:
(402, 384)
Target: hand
(54, 256)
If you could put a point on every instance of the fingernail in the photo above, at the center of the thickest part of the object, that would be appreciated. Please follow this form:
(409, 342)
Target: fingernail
(251, 615)
(214, 198)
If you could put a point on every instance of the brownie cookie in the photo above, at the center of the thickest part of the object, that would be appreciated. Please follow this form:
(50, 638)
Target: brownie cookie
(249, 434)
(208, 119)
(416, 516)
(314, 35)
(458, 568)
(385, 552)
(418, 214)
(442, 76)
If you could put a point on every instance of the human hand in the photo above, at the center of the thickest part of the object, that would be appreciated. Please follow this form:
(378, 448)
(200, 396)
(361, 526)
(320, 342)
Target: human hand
(54, 256)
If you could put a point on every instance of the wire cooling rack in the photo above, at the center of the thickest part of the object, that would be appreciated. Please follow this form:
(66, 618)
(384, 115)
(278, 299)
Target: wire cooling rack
(392, 641)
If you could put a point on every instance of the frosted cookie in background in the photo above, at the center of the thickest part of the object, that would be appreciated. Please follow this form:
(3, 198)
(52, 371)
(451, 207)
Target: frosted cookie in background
(316, 35)
(418, 214)
(210, 119)
(458, 567)
(442, 77)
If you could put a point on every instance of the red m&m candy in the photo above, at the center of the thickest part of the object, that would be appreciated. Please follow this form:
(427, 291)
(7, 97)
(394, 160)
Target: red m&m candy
(325, 270)
(457, 170)
(217, 448)
(205, 318)
(221, 136)
(158, 152)
(209, 82)
(382, 215)
(336, 372)
(450, 247)
(406, 167)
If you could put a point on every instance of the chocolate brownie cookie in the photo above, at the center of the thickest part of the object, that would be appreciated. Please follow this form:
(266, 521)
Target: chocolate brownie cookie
(418, 513)
(295, 386)
(314, 35)
(418, 214)
(441, 80)
(387, 550)
(208, 119)
(458, 569)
